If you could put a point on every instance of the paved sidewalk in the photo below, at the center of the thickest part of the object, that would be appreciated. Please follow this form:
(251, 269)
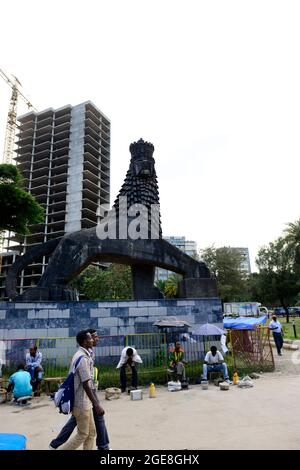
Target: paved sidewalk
(266, 416)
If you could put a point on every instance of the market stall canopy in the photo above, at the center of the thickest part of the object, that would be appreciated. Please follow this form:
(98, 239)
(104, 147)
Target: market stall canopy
(243, 323)
(171, 322)
(208, 330)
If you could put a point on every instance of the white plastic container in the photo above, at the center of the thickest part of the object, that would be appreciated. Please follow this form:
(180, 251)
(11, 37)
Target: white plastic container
(136, 395)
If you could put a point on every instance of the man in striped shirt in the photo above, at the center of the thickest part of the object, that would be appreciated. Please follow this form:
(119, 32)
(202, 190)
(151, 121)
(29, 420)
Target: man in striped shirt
(102, 439)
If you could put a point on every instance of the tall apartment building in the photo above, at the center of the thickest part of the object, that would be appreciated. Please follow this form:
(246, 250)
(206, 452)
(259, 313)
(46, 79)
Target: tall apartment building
(187, 246)
(64, 157)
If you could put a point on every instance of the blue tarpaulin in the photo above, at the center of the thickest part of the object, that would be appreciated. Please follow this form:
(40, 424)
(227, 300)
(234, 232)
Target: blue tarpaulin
(12, 441)
(244, 323)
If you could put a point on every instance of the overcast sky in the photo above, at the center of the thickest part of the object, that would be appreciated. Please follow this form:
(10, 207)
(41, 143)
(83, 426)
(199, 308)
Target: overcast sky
(214, 85)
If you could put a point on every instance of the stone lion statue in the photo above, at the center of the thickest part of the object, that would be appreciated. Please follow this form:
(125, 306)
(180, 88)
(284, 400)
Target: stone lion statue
(129, 233)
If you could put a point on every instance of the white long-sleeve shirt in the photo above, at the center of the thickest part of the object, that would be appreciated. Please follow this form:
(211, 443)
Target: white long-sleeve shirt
(124, 357)
(34, 361)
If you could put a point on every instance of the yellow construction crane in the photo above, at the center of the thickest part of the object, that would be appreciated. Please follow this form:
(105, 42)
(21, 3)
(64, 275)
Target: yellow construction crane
(11, 123)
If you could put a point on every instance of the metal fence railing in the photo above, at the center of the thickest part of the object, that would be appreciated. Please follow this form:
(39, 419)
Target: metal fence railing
(252, 348)
(249, 348)
(152, 347)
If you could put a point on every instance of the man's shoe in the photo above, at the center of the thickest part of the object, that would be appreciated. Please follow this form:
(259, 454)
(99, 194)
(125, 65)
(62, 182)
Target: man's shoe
(51, 448)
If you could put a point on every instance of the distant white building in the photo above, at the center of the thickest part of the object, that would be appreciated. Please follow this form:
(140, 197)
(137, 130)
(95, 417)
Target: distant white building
(245, 262)
(187, 246)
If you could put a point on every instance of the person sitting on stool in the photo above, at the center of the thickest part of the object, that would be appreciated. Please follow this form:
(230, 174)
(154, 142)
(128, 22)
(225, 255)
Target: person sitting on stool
(129, 357)
(177, 362)
(34, 367)
(214, 362)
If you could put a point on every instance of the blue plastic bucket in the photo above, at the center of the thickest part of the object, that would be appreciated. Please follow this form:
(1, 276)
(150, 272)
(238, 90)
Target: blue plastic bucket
(12, 442)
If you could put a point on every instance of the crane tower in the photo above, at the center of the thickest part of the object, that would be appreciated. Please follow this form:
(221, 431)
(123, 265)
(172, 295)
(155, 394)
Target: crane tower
(11, 122)
(11, 125)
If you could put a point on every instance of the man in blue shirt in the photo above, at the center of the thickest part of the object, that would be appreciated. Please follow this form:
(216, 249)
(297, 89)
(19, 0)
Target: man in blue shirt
(19, 383)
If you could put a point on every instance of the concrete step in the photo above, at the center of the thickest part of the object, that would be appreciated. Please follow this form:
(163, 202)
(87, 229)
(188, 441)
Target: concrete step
(288, 346)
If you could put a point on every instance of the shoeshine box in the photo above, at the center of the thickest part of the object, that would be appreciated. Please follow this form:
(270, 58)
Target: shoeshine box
(136, 395)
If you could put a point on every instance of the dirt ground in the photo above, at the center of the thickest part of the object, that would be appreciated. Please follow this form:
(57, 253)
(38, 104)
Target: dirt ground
(266, 416)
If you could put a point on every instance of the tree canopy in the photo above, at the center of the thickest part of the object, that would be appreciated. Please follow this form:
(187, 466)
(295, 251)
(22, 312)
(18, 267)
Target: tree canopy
(278, 278)
(292, 239)
(225, 265)
(113, 283)
(19, 209)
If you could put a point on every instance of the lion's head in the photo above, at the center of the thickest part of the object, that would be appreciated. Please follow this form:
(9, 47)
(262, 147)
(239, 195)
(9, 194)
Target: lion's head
(142, 161)
(140, 185)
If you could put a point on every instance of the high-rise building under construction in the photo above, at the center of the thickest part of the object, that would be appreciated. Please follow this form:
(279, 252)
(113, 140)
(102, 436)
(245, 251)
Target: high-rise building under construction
(64, 157)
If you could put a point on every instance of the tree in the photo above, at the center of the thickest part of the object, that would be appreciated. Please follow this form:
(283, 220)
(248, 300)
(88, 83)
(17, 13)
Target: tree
(19, 209)
(277, 279)
(171, 286)
(90, 272)
(113, 283)
(225, 265)
(292, 238)
(161, 285)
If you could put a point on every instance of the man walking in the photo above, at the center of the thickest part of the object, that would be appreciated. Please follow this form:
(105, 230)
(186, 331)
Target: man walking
(276, 329)
(102, 440)
(84, 397)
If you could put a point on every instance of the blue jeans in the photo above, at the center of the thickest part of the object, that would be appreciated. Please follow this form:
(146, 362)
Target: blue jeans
(36, 374)
(215, 368)
(102, 440)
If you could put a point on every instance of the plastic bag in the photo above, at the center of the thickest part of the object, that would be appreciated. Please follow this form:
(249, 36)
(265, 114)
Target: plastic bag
(245, 382)
(174, 386)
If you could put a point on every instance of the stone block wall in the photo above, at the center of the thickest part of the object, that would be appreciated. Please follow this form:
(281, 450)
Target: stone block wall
(19, 320)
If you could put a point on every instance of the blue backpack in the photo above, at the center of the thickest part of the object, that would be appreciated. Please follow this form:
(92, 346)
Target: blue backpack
(64, 397)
